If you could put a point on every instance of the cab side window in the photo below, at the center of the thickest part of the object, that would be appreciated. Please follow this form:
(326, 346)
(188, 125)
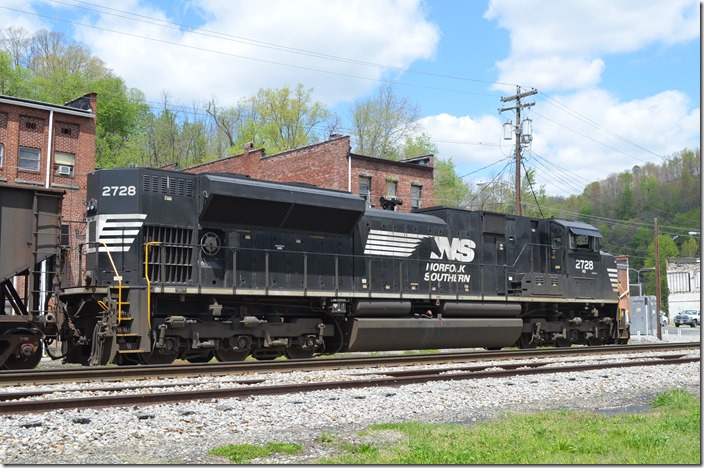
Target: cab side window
(556, 239)
(581, 242)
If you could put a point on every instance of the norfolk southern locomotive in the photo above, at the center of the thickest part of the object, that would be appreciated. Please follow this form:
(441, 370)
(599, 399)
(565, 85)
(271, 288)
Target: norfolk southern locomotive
(192, 266)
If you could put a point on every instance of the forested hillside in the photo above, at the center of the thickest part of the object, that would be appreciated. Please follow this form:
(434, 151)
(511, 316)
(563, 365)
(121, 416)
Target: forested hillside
(624, 206)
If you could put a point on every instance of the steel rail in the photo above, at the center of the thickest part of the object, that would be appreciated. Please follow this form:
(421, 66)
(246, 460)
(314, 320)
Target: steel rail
(113, 373)
(36, 406)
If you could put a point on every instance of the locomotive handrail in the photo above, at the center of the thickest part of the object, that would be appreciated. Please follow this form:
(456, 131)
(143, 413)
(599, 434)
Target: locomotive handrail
(146, 276)
(119, 283)
(368, 289)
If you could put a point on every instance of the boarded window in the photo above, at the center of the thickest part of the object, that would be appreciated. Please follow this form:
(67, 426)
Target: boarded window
(391, 189)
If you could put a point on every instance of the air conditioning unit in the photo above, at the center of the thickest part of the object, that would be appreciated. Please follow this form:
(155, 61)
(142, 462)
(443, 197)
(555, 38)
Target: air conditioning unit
(65, 170)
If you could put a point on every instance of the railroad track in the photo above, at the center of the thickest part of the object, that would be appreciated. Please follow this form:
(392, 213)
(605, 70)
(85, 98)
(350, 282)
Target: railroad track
(247, 388)
(114, 373)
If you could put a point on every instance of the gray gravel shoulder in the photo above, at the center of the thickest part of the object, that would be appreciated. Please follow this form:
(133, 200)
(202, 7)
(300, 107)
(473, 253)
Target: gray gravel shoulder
(184, 433)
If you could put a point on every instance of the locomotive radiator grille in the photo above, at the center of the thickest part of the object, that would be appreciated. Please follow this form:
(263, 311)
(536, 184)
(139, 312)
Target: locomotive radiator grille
(167, 185)
(172, 260)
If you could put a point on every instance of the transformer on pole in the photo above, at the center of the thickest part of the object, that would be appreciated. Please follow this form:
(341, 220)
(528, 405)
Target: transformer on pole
(523, 135)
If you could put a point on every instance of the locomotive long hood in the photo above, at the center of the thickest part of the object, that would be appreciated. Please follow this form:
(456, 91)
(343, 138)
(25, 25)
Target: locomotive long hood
(269, 204)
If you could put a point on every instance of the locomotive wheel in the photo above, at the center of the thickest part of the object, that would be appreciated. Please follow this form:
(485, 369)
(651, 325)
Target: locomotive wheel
(231, 355)
(22, 362)
(155, 357)
(594, 341)
(525, 341)
(297, 352)
(266, 355)
(127, 359)
(562, 343)
(196, 359)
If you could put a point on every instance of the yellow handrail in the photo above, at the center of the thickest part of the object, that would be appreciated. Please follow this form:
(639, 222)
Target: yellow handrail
(146, 275)
(119, 283)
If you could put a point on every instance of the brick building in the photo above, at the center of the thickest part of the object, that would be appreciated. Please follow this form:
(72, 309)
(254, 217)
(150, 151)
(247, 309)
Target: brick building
(51, 146)
(331, 164)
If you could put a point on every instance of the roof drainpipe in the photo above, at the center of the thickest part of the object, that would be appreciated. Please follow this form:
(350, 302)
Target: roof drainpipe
(349, 172)
(49, 148)
(43, 278)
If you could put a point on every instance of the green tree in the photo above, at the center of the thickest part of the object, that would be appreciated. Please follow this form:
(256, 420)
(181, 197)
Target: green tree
(418, 145)
(533, 198)
(667, 249)
(280, 119)
(227, 123)
(450, 188)
(382, 124)
(689, 248)
(16, 41)
(13, 79)
(121, 115)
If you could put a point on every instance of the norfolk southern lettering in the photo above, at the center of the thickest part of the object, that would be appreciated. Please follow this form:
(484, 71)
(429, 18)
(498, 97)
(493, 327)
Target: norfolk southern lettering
(460, 250)
(446, 272)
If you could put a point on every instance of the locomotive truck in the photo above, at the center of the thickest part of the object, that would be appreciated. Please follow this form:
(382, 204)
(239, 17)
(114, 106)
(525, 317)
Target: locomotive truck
(194, 266)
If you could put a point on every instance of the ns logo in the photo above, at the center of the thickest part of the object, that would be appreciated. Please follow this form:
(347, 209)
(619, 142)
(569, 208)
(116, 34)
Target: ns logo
(461, 250)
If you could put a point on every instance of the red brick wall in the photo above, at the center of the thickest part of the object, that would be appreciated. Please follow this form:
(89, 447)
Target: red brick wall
(322, 164)
(405, 175)
(78, 140)
(326, 165)
(246, 163)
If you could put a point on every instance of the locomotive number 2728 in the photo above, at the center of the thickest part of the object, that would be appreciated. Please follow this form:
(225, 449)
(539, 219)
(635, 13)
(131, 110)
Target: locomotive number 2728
(119, 191)
(585, 264)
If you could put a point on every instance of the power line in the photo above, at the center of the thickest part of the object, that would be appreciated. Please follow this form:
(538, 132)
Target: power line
(207, 33)
(573, 112)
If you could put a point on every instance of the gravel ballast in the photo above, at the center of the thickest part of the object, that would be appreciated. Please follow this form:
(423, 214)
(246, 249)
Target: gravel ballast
(184, 433)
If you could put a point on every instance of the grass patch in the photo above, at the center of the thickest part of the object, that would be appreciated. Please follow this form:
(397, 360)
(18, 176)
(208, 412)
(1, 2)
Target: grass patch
(244, 453)
(670, 434)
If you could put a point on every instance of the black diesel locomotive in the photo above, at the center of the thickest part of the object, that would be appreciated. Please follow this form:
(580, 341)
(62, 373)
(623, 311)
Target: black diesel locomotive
(192, 266)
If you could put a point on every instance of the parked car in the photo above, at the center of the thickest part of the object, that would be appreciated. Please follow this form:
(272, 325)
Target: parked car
(689, 317)
(663, 319)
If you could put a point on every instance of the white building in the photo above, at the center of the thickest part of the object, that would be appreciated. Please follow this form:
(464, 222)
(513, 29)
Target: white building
(684, 283)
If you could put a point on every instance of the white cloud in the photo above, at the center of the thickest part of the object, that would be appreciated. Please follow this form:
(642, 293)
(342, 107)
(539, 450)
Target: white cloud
(591, 135)
(12, 15)
(577, 138)
(550, 72)
(193, 66)
(567, 36)
(471, 143)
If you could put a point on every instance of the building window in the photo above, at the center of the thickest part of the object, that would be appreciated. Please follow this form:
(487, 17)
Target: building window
(29, 159)
(30, 125)
(391, 189)
(365, 189)
(64, 163)
(416, 196)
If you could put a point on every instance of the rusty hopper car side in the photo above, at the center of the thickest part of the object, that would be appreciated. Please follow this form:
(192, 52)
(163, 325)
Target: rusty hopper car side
(30, 232)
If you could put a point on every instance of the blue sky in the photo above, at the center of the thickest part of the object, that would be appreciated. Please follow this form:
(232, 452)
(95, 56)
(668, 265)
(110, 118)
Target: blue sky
(618, 81)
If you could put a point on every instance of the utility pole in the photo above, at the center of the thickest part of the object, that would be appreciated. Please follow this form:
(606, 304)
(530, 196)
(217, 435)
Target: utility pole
(519, 105)
(657, 276)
